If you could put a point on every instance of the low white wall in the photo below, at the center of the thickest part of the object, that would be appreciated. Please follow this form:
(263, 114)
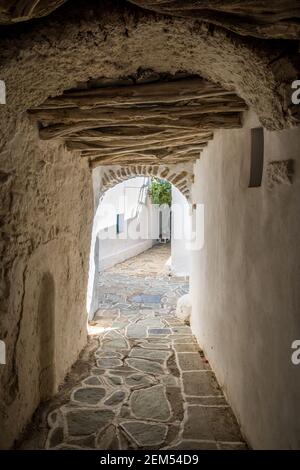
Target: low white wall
(245, 283)
(120, 254)
(181, 227)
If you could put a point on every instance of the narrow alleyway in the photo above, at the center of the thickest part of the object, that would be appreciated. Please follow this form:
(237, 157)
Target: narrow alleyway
(149, 385)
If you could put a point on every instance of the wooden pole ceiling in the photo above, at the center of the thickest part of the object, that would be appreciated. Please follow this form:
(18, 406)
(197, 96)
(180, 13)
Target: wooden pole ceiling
(148, 123)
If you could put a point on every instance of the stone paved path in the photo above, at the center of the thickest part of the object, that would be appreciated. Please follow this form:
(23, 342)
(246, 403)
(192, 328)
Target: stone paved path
(150, 386)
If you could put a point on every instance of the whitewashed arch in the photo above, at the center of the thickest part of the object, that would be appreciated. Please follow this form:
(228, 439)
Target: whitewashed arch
(181, 176)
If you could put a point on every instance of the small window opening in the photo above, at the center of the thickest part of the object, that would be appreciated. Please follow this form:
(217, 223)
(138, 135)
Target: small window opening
(120, 223)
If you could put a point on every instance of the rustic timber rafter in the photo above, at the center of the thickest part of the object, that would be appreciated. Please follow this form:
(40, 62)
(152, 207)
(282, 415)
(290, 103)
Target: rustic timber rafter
(165, 92)
(161, 121)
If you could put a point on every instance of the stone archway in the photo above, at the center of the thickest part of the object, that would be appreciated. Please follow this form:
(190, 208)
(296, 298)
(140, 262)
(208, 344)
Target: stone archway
(181, 176)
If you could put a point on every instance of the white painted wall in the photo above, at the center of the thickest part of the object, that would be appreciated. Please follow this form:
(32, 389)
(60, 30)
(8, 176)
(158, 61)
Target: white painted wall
(181, 230)
(245, 283)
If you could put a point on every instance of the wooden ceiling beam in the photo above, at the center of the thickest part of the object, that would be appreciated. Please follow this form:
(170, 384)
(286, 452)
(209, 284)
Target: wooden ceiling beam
(146, 94)
(112, 141)
(122, 115)
(142, 159)
(117, 147)
(160, 153)
(200, 123)
(55, 131)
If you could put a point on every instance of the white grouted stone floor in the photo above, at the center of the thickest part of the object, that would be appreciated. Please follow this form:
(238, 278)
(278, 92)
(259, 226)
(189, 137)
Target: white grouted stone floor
(149, 385)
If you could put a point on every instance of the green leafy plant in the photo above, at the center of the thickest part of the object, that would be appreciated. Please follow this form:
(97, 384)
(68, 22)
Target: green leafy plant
(160, 192)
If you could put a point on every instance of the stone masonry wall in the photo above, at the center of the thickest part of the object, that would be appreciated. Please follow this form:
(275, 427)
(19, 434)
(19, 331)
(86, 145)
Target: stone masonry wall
(180, 175)
(46, 212)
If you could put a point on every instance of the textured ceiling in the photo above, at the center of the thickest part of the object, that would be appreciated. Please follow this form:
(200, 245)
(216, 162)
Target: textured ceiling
(259, 18)
(268, 19)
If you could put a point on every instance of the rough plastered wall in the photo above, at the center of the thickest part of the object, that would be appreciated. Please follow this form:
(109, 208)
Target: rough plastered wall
(245, 282)
(46, 211)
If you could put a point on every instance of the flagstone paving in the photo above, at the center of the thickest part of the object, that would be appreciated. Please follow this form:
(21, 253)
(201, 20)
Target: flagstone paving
(150, 386)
